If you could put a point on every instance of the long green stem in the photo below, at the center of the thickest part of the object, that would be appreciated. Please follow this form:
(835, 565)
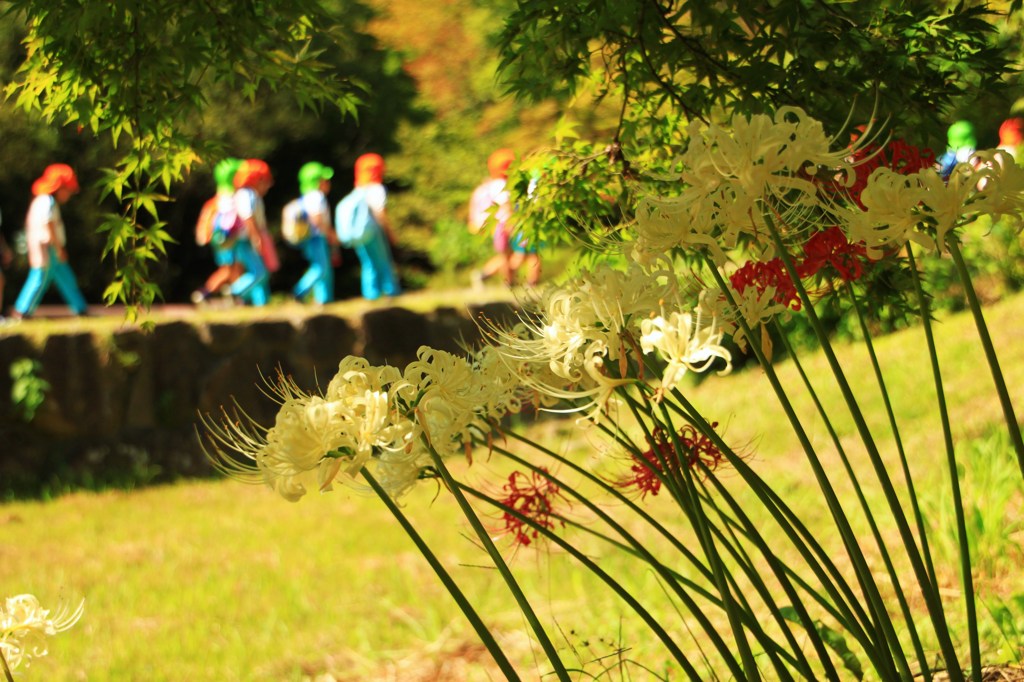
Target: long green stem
(954, 476)
(853, 618)
(1012, 426)
(724, 650)
(7, 670)
(859, 491)
(698, 517)
(446, 579)
(604, 576)
(815, 556)
(904, 462)
(929, 590)
(880, 617)
(503, 569)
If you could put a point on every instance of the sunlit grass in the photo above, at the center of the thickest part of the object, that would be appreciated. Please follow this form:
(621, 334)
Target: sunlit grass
(214, 580)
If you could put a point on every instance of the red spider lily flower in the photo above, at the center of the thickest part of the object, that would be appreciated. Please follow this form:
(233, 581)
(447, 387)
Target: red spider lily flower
(647, 468)
(533, 496)
(904, 158)
(831, 247)
(764, 274)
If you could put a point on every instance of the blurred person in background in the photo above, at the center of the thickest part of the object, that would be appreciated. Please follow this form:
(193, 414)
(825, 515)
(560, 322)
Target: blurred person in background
(316, 237)
(220, 206)
(46, 241)
(253, 246)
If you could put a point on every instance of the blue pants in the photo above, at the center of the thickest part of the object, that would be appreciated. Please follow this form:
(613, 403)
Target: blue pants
(253, 286)
(377, 274)
(319, 278)
(39, 280)
(222, 256)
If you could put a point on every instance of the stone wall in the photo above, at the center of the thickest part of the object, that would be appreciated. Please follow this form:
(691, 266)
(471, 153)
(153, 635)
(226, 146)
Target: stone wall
(124, 406)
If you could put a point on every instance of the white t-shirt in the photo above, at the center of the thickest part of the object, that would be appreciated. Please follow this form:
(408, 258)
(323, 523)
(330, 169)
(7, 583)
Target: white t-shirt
(376, 196)
(249, 204)
(315, 204)
(43, 211)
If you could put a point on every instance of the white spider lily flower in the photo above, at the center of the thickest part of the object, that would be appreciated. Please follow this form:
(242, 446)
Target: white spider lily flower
(684, 343)
(25, 626)
(756, 309)
(730, 176)
(398, 472)
(596, 307)
(944, 204)
(1002, 193)
(316, 438)
(891, 215)
(294, 455)
(923, 208)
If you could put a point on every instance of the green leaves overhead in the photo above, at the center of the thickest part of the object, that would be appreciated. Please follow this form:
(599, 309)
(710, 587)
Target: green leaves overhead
(691, 56)
(136, 71)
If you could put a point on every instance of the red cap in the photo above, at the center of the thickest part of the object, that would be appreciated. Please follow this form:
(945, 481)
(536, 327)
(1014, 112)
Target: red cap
(251, 172)
(498, 162)
(1011, 132)
(369, 169)
(55, 176)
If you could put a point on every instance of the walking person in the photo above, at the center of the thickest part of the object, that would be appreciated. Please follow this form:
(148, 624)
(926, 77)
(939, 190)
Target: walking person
(316, 237)
(363, 224)
(491, 198)
(207, 232)
(253, 247)
(46, 239)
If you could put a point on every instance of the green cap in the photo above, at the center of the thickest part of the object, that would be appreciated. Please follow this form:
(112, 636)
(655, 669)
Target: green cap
(311, 174)
(961, 134)
(224, 174)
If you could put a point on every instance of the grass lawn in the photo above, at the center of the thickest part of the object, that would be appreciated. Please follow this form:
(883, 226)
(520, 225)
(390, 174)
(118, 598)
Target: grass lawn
(214, 580)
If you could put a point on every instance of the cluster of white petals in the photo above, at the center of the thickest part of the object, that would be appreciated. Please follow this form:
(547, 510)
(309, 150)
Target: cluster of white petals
(685, 343)
(923, 208)
(728, 176)
(456, 395)
(602, 317)
(376, 417)
(25, 626)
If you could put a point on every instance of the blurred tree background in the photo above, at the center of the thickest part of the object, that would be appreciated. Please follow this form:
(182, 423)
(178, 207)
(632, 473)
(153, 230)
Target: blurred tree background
(435, 107)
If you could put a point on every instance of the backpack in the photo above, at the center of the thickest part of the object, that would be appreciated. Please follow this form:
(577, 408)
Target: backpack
(353, 220)
(226, 225)
(204, 225)
(295, 227)
(486, 204)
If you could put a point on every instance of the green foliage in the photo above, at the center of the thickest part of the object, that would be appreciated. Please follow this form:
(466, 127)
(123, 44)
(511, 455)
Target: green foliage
(985, 468)
(453, 247)
(28, 389)
(134, 73)
(1008, 625)
(691, 56)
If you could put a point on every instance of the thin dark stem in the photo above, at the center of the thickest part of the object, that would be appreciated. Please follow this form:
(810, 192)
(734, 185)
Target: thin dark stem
(591, 566)
(881, 620)
(1012, 426)
(499, 563)
(446, 579)
(7, 670)
(954, 476)
(928, 589)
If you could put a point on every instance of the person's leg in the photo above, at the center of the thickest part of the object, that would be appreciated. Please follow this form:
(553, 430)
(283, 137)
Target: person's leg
(533, 268)
(323, 287)
(378, 275)
(318, 278)
(252, 285)
(64, 278)
(36, 284)
(367, 273)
